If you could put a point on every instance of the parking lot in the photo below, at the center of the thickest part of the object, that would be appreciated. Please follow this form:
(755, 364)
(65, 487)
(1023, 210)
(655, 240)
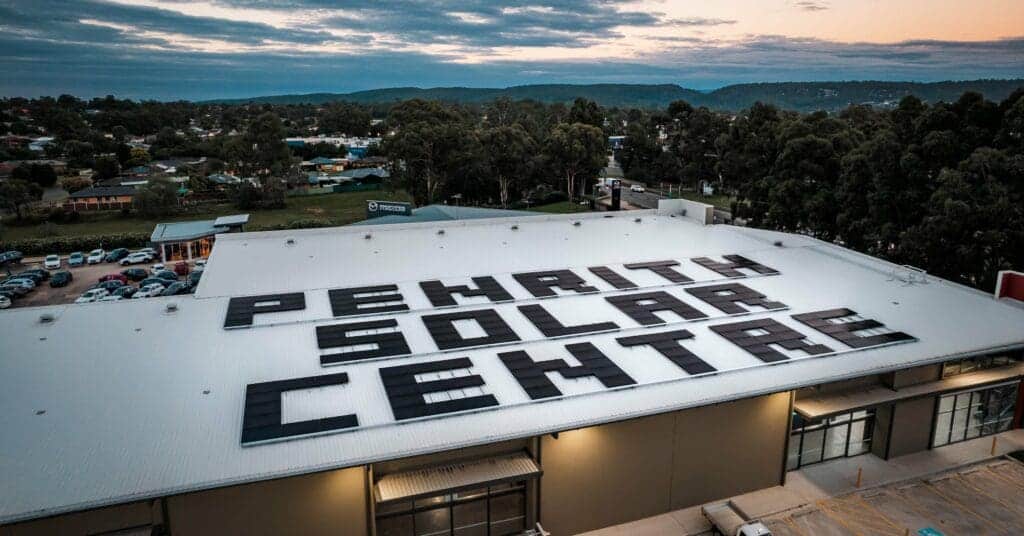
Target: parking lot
(84, 277)
(983, 499)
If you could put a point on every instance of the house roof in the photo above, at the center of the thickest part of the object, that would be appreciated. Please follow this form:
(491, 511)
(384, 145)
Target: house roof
(184, 230)
(103, 191)
(90, 421)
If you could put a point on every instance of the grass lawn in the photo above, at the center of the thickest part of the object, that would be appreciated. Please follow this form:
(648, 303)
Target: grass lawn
(563, 207)
(338, 209)
(721, 202)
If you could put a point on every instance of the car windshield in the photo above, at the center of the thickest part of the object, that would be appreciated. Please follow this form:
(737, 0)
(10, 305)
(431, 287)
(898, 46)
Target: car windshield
(96, 252)
(52, 257)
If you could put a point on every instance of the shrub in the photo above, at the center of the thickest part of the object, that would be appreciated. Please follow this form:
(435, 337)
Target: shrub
(67, 244)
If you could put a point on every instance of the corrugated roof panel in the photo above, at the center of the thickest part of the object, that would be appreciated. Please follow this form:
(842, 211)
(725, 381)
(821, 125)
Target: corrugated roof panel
(433, 480)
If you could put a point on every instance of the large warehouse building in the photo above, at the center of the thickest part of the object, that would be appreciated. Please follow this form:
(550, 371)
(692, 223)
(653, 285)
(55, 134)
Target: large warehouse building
(483, 377)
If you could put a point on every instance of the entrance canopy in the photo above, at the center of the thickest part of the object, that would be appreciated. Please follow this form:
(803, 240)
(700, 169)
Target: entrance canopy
(454, 477)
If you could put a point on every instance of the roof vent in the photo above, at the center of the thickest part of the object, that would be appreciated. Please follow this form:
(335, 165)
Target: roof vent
(515, 227)
(576, 223)
(638, 220)
(47, 318)
(777, 243)
(171, 308)
(367, 236)
(289, 241)
(440, 231)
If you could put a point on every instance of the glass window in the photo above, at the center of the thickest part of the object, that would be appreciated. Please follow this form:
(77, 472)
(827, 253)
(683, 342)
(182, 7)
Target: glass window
(487, 511)
(963, 416)
(964, 366)
(848, 434)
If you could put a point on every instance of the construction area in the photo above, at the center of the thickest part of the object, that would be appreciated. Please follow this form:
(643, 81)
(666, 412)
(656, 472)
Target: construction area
(987, 498)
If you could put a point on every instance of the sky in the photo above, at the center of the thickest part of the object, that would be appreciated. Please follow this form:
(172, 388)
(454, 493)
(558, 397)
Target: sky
(182, 49)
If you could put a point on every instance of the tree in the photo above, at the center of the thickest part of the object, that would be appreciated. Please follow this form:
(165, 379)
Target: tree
(16, 194)
(506, 152)
(139, 157)
(41, 174)
(264, 149)
(576, 152)
(74, 183)
(105, 167)
(587, 112)
(157, 198)
(345, 118)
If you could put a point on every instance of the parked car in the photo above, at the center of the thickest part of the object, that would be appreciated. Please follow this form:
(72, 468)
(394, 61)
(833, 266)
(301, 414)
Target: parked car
(110, 285)
(194, 277)
(22, 282)
(637, 188)
(115, 277)
(149, 251)
(125, 291)
(61, 279)
(51, 262)
(135, 274)
(5, 302)
(95, 256)
(135, 258)
(111, 297)
(199, 264)
(116, 255)
(181, 268)
(157, 268)
(92, 295)
(175, 288)
(11, 256)
(31, 276)
(14, 290)
(148, 291)
(42, 273)
(9, 294)
(76, 259)
(167, 274)
(152, 280)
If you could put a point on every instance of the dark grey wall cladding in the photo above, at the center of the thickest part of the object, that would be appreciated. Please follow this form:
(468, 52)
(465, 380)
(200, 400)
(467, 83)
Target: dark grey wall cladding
(261, 420)
(662, 268)
(662, 301)
(667, 344)
(337, 336)
(344, 301)
(728, 296)
(531, 374)
(733, 264)
(777, 333)
(542, 284)
(845, 332)
(552, 327)
(442, 329)
(612, 277)
(241, 310)
(441, 295)
(405, 394)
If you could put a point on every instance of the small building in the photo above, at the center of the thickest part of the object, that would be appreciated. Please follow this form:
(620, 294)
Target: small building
(187, 240)
(101, 198)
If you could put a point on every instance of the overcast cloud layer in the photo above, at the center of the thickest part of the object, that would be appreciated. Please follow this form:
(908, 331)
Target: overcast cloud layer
(170, 49)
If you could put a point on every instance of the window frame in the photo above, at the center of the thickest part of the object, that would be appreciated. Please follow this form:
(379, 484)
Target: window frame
(515, 487)
(841, 420)
(986, 428)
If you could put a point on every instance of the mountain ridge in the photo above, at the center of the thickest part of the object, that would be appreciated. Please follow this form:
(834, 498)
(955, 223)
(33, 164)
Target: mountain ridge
(803, 96)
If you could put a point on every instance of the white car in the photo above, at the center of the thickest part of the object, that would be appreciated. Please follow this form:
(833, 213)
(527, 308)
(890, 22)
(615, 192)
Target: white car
(199, 264)
(150, 251)
(112, 297)
(95, 256)
(22, 282)
(158, 267)
(148, 291)
(92, 295)
(637, 188)
(51, 262)
(5, 302)
(136, 258)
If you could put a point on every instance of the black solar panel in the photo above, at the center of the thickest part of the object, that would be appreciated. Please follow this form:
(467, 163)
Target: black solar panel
(662, 268)
(261, 420)
(733, 265)
(531, 374)
(347, 301)
(611, 277)
(776, 333)
(846, 332)
(667, 344)
(541, 284)
(551, 327)
(632, 305)
(406, 395)
(241, 310)
(727, 297)
(337, 336)
(441, 295)
(442, 329)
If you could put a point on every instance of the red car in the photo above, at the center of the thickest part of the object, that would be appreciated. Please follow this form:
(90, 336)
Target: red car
(181, 268)
(114, 277)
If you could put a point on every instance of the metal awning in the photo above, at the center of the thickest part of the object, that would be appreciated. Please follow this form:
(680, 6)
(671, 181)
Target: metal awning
(454, 477)
(827, 404)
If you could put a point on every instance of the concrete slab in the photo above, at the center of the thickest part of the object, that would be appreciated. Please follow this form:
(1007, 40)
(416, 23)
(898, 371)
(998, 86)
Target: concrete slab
(984, 480)
(956, 490)
(819, 523)
(943, 514)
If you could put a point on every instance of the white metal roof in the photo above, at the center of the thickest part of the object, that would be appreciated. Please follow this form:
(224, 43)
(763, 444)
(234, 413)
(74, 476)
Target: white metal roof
(113, 402)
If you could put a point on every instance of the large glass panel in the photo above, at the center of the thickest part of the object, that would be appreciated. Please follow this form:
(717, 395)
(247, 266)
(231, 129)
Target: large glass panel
(793, 456)
(812, 448)
(433, 522)
(942, 428)
(835, 441)
(959, 425)
(508, 514)
(470, 518)
(860, 437)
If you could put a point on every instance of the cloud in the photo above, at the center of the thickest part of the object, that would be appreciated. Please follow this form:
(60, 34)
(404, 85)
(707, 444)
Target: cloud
(811, 5)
